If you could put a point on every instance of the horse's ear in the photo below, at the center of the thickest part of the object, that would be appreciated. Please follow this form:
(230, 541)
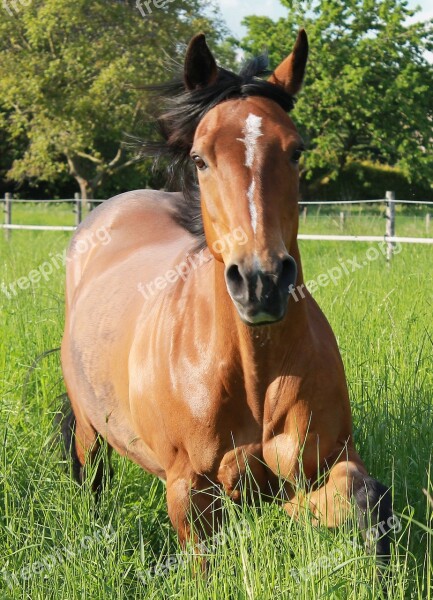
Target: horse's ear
(200, 67)
(290, 73)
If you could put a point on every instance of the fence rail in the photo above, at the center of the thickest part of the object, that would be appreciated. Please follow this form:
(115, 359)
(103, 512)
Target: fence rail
(389, 236)
(365, 238)
(12, 226)
(378, 201)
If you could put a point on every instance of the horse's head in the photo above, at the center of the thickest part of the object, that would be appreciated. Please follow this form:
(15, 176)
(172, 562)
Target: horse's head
(246, 150)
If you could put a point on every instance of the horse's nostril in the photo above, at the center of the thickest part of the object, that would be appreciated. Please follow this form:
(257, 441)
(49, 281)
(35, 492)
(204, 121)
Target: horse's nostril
(288, 274)
(235, 281)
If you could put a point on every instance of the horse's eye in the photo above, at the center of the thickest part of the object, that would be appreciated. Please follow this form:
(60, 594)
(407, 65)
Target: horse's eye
(199, 162)
(296, 155)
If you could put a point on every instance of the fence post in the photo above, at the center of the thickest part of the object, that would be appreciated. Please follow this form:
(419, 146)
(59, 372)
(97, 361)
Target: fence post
(304, 214)
(427, 222)
(390, 223)
(78, 208)
(8, 214)
(342, 220)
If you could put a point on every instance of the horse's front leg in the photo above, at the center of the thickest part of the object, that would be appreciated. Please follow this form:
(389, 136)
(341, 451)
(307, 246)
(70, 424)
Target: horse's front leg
(195, 498)
(194, 506)
(330, 502)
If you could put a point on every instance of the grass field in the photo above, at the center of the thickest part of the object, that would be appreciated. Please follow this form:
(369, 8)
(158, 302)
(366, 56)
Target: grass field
(54, 545)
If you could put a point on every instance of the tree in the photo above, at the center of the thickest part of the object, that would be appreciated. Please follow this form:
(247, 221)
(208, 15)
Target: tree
(71, 79)
(368, 86)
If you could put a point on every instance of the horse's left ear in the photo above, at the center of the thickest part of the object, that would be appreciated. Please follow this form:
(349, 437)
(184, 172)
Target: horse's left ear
(200, 68)
(290, 73)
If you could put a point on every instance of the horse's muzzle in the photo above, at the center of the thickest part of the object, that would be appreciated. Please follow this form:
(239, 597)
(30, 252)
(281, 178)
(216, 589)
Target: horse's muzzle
(261, 297)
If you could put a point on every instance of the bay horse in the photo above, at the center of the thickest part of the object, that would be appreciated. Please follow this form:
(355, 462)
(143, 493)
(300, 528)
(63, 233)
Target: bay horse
(184, 347)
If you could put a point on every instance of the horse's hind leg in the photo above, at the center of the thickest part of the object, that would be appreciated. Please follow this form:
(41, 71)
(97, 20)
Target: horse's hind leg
(66, 420)
(82, 445)
(330, 502)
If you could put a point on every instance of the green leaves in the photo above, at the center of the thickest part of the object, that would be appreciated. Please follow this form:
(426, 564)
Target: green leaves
(71, 79)
(367, 93)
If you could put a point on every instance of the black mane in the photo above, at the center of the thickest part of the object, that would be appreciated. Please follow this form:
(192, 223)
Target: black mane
(182, 112)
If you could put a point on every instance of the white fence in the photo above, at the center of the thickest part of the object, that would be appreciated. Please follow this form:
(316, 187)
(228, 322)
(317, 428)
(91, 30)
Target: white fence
(8, 225)
(389, 235)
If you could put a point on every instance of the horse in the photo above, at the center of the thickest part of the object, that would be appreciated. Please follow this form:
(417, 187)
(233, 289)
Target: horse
(184, 348)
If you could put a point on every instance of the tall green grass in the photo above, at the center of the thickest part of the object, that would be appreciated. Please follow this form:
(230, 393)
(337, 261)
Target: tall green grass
(55, 544)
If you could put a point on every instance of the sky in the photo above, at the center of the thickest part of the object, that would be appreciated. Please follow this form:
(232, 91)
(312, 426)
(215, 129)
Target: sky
(234, 11)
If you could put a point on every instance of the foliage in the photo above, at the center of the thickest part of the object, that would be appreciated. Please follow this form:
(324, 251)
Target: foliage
(70, 79)
(368, 86)
(363, 180)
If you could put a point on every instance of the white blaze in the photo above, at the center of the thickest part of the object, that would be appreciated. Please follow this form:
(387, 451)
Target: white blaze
(252, 130)
(251, 205)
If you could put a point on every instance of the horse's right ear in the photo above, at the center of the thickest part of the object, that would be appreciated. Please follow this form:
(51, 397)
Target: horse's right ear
(200, 68)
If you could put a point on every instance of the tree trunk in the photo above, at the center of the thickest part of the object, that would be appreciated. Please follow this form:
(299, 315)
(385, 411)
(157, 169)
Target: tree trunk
(86, 187)
(87, 193)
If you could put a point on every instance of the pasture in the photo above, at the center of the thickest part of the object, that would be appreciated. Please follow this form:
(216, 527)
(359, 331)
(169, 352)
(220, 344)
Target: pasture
(54, 544)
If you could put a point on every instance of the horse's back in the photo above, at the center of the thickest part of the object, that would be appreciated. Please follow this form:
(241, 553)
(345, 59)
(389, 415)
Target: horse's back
(129, 240)
(134, 223)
